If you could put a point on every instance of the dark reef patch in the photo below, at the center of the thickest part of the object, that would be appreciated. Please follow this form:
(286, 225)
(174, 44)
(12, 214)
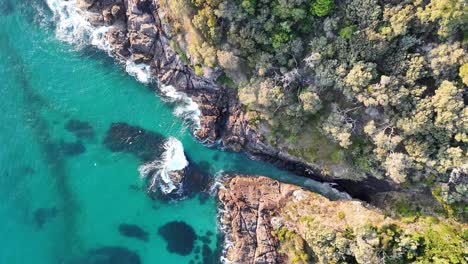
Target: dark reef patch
(146, 145)
(109, 255)
(82, 130)
(207, 254)
(72, 148)
(6, 7)
(43, 215)
(205, 239)
(203, 197)
(135, 187)
(133, 231)
(197, 179)
(28, 170)
(180, 237)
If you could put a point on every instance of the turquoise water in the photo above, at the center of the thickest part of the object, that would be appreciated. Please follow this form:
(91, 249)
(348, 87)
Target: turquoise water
(57, 208)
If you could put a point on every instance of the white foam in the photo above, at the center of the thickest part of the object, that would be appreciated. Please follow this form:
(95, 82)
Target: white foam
(185, 107)
(141, 72)
(172, 159)
(72, 27)
(99, 40)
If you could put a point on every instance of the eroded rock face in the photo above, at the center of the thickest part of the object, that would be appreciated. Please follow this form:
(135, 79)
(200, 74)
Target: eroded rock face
(248, 205)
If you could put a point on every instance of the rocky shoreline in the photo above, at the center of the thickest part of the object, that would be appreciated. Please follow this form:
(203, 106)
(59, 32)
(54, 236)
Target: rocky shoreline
(137, 31)
(266, 221)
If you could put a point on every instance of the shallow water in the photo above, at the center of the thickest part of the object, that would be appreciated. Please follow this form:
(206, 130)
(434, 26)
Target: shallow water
(64, 195)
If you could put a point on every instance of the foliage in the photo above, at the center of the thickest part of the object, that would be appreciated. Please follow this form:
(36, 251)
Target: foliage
(395, 75)
(347, 31)
(442, 243)
(463, 72)
(322, 8)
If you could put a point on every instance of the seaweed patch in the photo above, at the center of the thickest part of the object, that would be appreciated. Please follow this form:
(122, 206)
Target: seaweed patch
(146, 145)
(80, 129)
(133, 231)
(180, 237)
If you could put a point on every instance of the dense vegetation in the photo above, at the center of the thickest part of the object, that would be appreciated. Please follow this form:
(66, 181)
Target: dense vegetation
(386, 81)
(313, 230)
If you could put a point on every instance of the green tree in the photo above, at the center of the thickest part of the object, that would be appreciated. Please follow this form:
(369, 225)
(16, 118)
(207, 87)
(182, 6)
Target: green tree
(322, 8)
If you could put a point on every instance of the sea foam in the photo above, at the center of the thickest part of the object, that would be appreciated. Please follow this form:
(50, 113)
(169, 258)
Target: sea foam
(185, 107)
(172, 159)
(141, 72)
(73, 27)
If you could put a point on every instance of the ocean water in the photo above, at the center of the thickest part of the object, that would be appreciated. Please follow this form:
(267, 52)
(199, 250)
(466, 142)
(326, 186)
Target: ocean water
(66, 197)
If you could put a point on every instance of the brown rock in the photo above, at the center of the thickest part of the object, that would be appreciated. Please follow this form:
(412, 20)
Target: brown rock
(249, 205)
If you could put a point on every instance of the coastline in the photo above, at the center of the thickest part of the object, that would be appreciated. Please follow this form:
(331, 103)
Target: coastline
(136, 36)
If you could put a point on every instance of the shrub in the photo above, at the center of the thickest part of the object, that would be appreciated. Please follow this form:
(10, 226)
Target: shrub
(322, 8)
(347, 32)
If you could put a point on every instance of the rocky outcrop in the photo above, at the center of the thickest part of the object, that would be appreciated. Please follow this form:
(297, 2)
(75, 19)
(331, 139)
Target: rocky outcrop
(267, 221)
(248, 205)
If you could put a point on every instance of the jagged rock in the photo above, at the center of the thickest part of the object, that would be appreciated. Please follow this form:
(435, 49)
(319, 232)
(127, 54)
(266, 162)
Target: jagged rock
(248, 205)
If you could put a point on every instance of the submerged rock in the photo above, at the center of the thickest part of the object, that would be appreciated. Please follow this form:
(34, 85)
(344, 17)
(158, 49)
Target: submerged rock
(72, 148)
(43, 215)
(6, 7)
(82, 130)
(146, 145)
(133, 231)
(179, 236)
(109, 255)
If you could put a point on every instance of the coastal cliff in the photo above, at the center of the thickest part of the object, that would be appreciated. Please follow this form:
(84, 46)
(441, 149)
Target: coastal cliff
(142, 31)
(267, 221)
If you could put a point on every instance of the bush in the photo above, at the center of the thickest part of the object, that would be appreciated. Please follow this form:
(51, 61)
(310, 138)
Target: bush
(347, 32)
(322, 8)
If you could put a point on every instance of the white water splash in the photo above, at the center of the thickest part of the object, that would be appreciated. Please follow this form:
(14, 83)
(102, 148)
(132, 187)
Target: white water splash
(73, 27)
(185, 107)
(173, 159)
(141, 72)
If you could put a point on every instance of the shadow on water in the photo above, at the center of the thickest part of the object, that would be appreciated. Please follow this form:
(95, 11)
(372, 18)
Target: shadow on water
(33, 105)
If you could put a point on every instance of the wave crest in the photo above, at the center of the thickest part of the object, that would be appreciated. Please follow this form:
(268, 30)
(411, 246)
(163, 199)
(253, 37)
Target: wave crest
(166, 171)
(185, 107)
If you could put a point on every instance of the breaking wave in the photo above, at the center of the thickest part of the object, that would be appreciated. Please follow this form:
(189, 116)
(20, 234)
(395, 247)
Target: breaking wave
(185, 107)
(141, 72)
(72, 26)
(172, 159)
